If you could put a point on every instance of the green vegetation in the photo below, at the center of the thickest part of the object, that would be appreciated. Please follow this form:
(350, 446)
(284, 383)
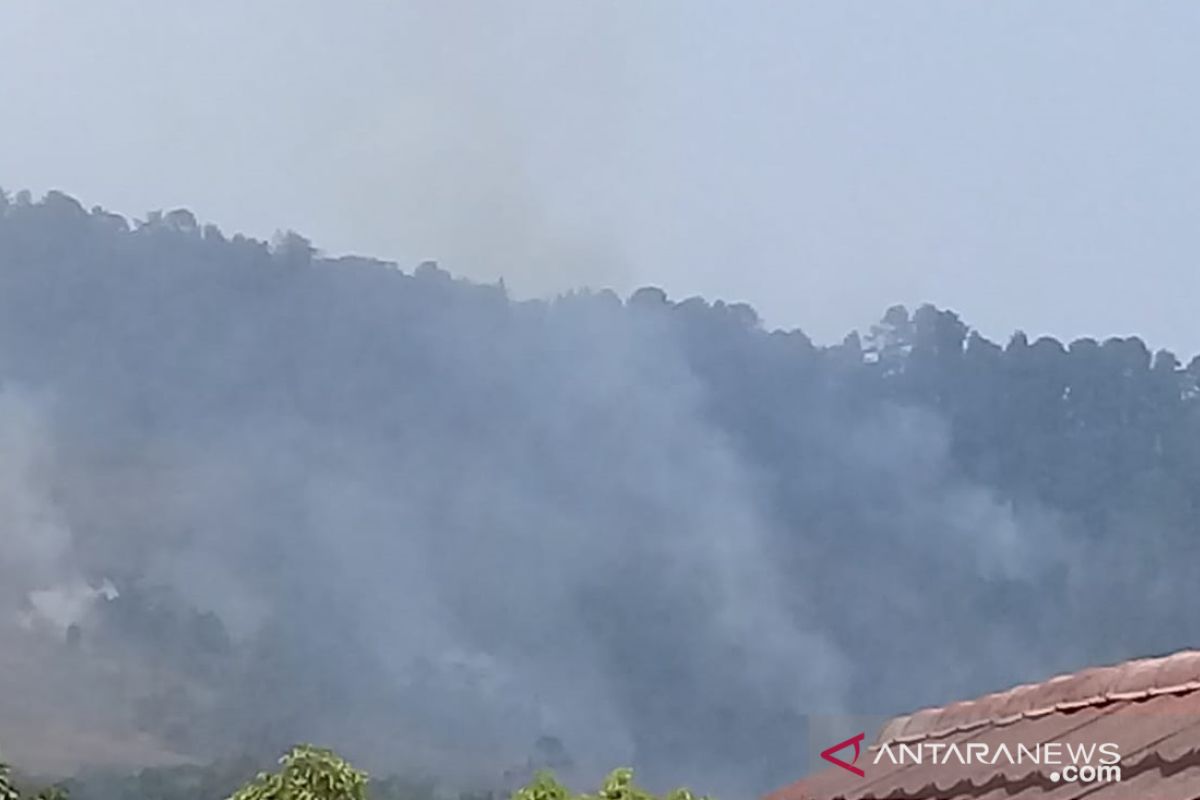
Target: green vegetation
(308, 773)
(7, 790)
(514, 510)
(618, 785)
(188, 782)
(314, 773)
(10, 791)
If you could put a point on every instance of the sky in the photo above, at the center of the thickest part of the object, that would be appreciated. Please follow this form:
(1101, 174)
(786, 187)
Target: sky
(1029, 165)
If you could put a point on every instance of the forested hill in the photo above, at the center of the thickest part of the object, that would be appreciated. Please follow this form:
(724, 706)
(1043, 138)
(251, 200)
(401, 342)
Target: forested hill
(252, 495)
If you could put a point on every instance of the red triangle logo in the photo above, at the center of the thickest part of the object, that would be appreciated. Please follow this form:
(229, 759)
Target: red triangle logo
(829, 756)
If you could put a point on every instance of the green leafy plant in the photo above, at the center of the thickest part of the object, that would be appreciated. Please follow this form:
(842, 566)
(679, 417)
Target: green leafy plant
(618, 785)
(9, 791)
(308, 773)
(311, 773)
(51, 793)
(544, 786)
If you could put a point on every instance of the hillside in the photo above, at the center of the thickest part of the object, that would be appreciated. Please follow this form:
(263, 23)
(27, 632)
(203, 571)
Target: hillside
(252, 495)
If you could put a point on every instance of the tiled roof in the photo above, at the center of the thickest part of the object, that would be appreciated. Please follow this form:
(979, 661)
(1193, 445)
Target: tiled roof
(1149, 708)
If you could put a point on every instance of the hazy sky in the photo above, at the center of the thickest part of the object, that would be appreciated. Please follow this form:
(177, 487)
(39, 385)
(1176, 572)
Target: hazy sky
(1028, 164)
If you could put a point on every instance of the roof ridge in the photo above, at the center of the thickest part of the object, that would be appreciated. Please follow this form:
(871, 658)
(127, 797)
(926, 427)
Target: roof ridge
(1139, 679)
(968, 788)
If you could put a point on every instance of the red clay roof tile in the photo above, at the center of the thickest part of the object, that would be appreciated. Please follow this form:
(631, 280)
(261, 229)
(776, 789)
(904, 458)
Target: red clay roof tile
(1149, 708)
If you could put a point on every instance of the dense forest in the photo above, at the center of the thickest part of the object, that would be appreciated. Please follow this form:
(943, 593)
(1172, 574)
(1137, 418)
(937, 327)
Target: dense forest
(253, 495)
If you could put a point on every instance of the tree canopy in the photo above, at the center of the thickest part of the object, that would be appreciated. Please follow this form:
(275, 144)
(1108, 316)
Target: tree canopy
(247, 472)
